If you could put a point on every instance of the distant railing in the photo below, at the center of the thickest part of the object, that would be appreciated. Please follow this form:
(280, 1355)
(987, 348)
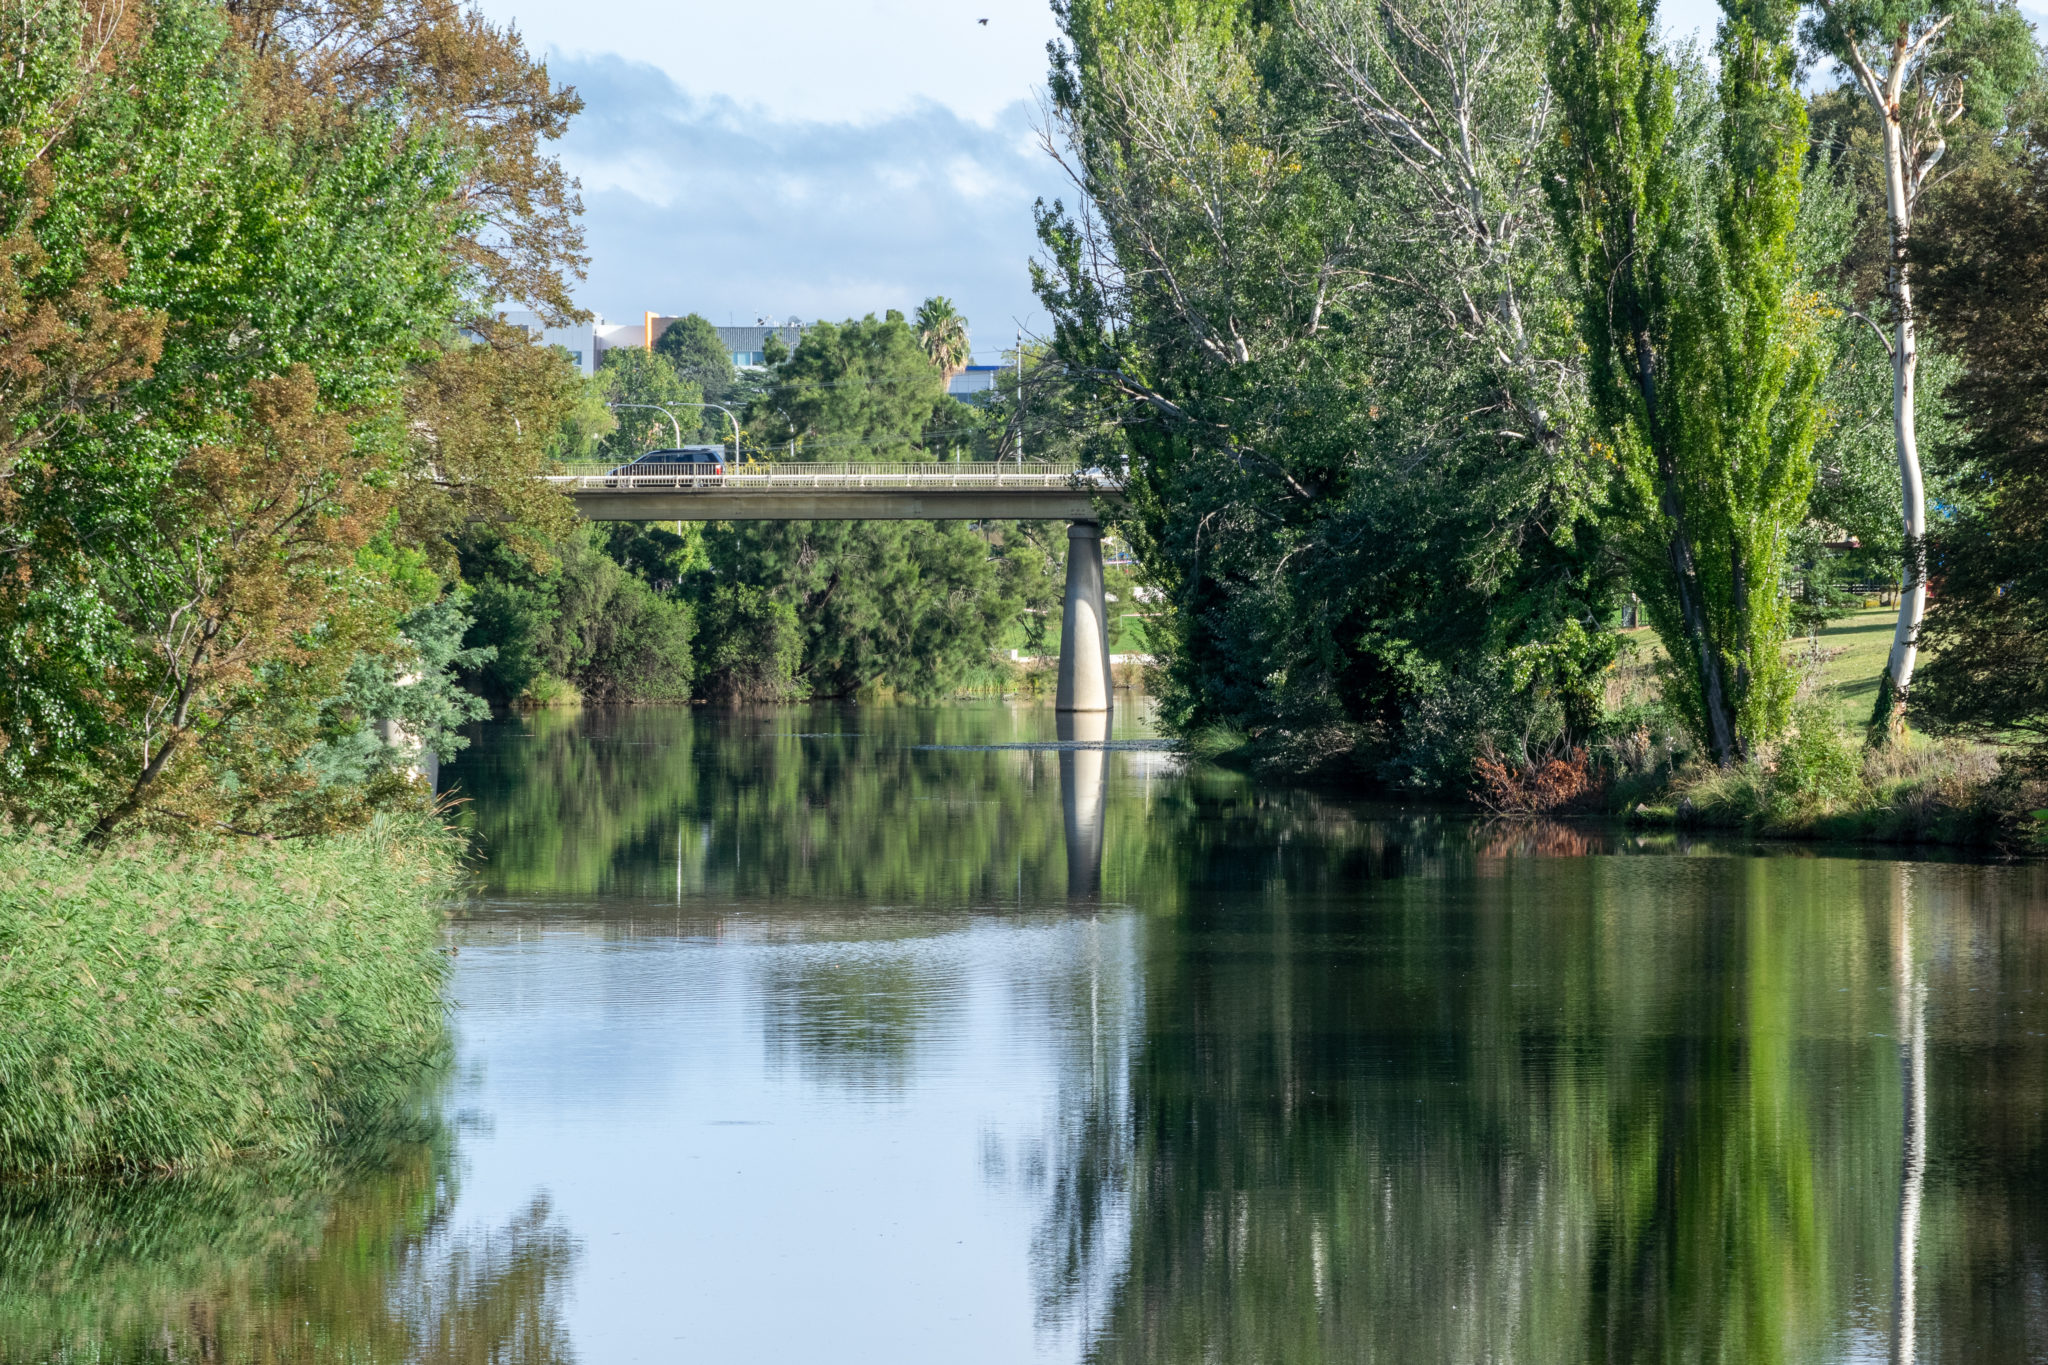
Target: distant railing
(977, 474)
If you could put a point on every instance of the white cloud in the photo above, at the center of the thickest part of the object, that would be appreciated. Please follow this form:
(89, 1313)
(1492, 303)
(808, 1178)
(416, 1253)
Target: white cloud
(973, 180)
(822, 60)
(697, 204)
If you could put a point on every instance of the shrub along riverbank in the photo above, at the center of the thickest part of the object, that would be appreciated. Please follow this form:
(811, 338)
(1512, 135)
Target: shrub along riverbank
(1818, 786)
(163, 1004)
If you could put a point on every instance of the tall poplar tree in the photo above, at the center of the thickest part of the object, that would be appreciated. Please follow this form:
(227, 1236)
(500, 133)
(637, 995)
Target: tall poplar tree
(1703, 350)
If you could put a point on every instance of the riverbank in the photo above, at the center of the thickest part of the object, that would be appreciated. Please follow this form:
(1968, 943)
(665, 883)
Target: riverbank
(163, 1005)
(1944, 792)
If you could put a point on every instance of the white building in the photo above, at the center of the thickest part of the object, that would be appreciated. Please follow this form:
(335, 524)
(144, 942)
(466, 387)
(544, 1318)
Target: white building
(583, 342)
(972, 380)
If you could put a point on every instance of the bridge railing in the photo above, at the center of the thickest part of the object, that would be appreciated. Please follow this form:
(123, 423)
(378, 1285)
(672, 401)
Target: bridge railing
(979, 474)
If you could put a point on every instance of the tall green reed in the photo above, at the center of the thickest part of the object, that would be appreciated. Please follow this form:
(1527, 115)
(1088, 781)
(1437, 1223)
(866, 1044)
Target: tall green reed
(163, 1004)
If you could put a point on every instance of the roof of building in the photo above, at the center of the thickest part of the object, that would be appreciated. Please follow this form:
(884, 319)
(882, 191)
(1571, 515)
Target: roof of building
(754, 338)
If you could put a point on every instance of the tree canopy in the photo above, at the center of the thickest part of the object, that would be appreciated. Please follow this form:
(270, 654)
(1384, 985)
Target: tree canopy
(239, 426)
(691, 344)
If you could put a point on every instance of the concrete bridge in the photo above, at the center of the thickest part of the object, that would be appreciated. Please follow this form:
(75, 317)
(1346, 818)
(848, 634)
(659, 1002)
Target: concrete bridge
(976, 491)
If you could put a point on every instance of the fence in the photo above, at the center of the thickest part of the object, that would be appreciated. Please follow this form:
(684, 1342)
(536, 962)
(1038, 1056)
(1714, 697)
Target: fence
(980, 474)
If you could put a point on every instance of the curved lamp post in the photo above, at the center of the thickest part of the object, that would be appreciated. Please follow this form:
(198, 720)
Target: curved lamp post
(677, 427)
(656, 407)
(728, 417)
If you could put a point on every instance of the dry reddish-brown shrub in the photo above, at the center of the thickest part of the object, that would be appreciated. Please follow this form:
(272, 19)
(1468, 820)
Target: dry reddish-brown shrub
(1533, 786)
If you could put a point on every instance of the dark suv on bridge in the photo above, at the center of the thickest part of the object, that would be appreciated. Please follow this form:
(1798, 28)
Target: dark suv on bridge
(684, 467)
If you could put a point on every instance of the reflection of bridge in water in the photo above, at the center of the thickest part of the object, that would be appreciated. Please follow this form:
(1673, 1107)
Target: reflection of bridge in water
(1084, 747)
(976, 491)
(1084, 790)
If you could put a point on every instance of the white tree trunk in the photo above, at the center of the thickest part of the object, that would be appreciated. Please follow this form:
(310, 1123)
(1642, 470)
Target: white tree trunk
(1888, 720)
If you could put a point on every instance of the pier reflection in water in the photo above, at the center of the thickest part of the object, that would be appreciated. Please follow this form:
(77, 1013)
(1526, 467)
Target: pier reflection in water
(905, 1035)
(1084, 788)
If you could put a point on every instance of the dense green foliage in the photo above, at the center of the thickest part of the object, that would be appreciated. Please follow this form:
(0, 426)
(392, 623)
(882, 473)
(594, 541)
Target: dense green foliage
(1311, 298)
(909, 606)
(1986, 277)
(756, 646)
(239, 432)
(159, 1008)
(1428, 337)
(580, 617)
(692, 348)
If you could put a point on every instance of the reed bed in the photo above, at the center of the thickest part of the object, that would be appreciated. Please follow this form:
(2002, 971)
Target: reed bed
(163, 1005)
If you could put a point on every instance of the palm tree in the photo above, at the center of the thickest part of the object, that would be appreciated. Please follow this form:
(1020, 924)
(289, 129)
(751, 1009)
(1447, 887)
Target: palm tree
(942, 332)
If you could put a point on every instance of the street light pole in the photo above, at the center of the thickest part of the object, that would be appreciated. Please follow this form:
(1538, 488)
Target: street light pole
(676, 426)
(728, 417)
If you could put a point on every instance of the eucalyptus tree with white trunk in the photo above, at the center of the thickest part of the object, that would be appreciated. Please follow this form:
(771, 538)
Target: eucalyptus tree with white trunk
(1923, 66)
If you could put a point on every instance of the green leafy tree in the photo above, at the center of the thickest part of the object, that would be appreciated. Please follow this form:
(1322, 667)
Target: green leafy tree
(231, 299)
(483, 418)
(755, 646)
(644, 393)
(1310, 303)
(473, 83)
(1702, 339)
(414, 687)
(1986, 273)
(860, 390)
(613, 637)
(1922, 66)
(691, 344)
(917, 607)
(576, 615)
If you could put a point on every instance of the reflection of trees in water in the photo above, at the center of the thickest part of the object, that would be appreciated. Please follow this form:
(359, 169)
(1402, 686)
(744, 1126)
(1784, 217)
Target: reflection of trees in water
(1546, 1109)
(853, 1014)
(841, 805)
(491, 1297)
(303, 1263)
(825, 801)
(1080, 1170)
(1540, 839)
(1386, 1087)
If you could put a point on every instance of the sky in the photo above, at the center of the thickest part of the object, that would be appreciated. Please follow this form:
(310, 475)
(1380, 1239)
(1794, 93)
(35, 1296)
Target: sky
(815, 158)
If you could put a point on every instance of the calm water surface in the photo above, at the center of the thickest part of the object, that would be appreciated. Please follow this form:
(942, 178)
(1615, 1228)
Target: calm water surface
(854, 1035)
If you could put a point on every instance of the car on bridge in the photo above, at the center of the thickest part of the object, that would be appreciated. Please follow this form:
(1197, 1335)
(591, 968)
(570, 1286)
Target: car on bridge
(679, 467)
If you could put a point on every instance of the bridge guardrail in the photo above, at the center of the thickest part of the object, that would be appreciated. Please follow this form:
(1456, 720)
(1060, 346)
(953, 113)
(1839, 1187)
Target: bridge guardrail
(980, 474)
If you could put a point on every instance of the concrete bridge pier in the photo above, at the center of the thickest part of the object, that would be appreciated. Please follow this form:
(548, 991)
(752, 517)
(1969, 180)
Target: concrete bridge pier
(1084, 683)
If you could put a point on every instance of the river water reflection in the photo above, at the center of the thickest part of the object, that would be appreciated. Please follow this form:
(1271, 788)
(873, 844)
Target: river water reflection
(851, 1034)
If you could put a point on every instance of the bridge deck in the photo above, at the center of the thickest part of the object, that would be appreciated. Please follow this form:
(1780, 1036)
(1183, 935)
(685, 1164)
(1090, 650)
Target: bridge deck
(974, 491)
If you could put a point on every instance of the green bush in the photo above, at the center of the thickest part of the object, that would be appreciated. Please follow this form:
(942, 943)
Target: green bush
(1817, 765)
(161, 1005)
(582, 618)
(511, 620)
(753, 645)
(616, 638)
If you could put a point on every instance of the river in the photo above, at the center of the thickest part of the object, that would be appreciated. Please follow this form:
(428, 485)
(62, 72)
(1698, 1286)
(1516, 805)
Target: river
(901, 1035)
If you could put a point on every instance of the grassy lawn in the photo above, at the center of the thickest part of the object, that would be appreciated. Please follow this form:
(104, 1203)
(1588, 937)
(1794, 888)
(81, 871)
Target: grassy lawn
(1853, 650)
